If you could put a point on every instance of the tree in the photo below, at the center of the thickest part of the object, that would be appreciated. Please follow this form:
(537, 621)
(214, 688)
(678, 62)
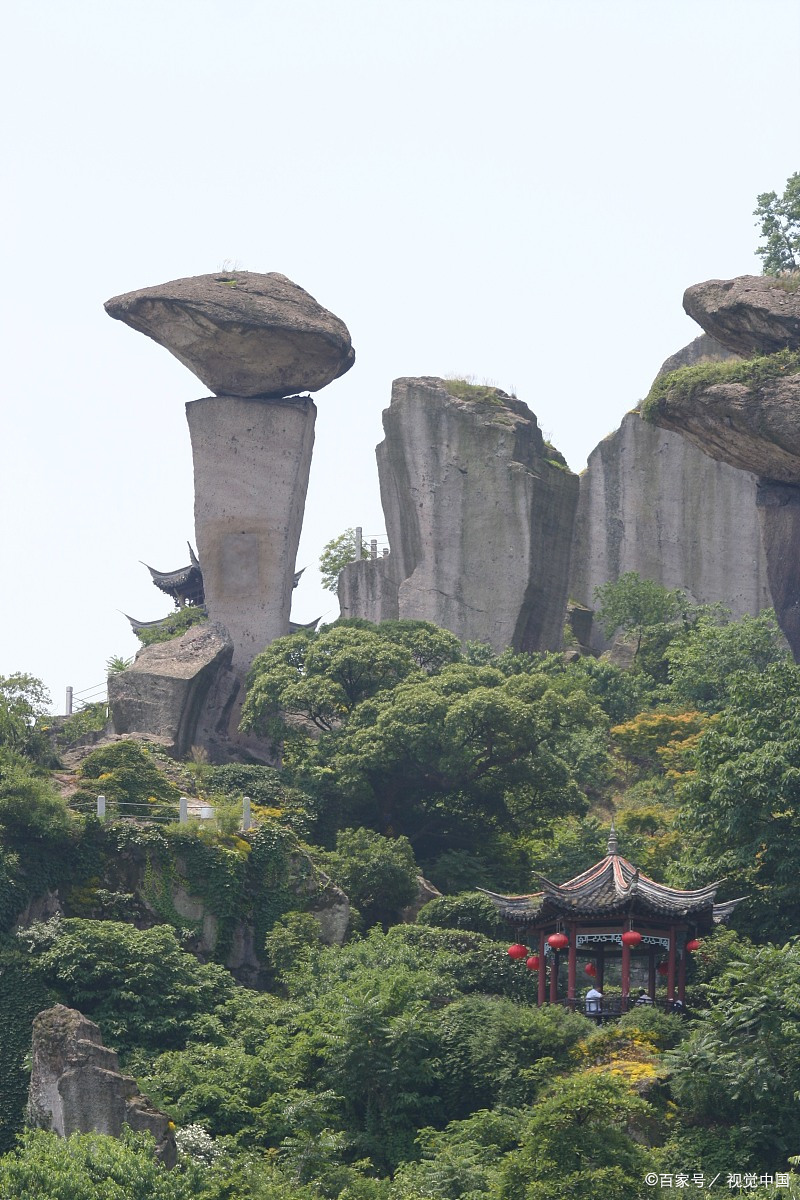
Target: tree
(320, 677)
(457, 754)
(24, 700)
(336, 554)
(705, 659)
(741, 802)
(636, 604)
(780, 228)
(137, 984)
(93, 1166)
(378, 874)
(738, 1073)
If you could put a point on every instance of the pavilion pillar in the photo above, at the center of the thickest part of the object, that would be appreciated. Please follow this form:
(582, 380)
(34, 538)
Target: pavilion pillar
(651, 973)
(626, 977)
(554, 977)
(671, 965)
(542, 993)
(682, 977)
(572, 964)
(601, 967)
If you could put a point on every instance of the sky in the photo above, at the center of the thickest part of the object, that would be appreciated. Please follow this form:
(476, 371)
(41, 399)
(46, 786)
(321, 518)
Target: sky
(518, 191)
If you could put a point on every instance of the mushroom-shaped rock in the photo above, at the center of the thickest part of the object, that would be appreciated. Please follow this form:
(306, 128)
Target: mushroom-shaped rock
(242, 333)
(754, 426)
(749, 314)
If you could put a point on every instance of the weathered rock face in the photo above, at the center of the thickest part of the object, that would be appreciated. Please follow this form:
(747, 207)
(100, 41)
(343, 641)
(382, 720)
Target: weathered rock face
(76, 1085)
(426, 891)
(251, 464)
(703, 349)
(241, 333)
(479, 517)
(653, 503)
(751, 313)
(779, 510)
(754, 428)
(164, 690)
(752, 425)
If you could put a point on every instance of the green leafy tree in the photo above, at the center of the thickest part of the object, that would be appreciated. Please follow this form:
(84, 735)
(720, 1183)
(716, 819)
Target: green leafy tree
(336, 554)
(637, 604)
(466, 750)
(737, 1076)
(582, 1140)
(741, 801)
(378, 874)
(92, 1166)
(24, 701)
(705, 659)
(320, 677)
(138, 984)
(780, 228)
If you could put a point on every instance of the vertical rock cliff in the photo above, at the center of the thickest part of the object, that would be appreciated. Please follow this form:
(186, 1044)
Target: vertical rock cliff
(479, 513)
(653, 503)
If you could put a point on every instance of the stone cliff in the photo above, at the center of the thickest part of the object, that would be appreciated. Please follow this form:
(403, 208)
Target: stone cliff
(479, 514)
(652, 502)
(76, 1085)
(747, 414)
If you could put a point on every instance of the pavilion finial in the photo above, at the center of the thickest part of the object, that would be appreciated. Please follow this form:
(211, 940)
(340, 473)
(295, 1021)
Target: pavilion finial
(612, 847)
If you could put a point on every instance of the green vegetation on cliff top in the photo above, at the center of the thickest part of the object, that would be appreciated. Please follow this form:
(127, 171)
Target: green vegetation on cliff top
(689, 382)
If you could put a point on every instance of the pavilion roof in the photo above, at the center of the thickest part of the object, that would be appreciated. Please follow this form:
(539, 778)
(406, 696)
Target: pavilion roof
(612, 888)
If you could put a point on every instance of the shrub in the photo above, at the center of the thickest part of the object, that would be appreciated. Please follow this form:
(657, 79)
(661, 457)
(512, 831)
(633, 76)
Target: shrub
(686, 383)
(173, 626)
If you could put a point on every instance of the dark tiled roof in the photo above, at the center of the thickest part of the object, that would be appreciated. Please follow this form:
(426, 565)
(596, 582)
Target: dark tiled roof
(611, 888)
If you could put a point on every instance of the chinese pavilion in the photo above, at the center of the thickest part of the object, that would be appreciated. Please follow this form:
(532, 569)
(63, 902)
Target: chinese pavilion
(185, 587)
(611, 910)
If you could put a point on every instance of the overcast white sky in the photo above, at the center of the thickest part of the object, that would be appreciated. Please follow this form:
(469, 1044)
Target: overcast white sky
(517, 190)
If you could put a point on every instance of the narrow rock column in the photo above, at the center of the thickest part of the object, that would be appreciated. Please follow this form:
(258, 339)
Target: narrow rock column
(251, 464)
(779, 513)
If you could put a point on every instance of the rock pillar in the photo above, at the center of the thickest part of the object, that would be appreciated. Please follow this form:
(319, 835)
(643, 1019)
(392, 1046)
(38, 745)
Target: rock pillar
(251, 464)
(779, 513)
(479, 513)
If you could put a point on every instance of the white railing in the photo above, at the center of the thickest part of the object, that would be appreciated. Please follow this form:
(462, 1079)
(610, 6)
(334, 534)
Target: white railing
(187, 809)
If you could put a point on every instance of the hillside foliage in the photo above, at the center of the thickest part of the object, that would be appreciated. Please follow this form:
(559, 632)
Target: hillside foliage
(412, 1062)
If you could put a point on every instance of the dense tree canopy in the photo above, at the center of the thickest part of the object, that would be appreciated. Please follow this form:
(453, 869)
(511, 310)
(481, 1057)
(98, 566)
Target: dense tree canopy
(780, 228)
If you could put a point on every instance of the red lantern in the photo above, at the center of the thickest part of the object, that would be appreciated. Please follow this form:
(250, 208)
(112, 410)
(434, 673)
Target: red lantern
(631, 938)
(663, 968)
(590, 969)
(532, 963)
(558, 941)
(693, 945)
(517, 951)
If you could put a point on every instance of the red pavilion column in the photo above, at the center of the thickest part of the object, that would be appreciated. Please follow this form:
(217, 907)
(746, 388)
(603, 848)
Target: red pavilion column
(572, 965)
(626, 977)
(682, 977)
(542, 994)
(671, 966)
(601, 967)
(554, 977)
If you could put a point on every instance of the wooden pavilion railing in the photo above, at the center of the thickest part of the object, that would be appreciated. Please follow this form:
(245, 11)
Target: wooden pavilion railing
(612, 1008)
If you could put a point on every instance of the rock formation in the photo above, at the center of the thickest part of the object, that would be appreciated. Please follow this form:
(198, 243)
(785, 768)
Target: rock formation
(653, 503)
(251, 465)
(164, 691)
(479, 515)
(241, 333)
(76, 1085)
(750, 418)
(255, 340)
(752, 314)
